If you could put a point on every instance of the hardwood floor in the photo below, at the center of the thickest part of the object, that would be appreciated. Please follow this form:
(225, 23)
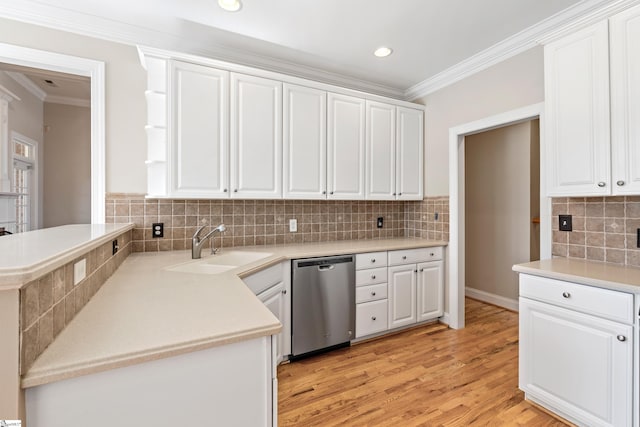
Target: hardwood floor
(427, 376)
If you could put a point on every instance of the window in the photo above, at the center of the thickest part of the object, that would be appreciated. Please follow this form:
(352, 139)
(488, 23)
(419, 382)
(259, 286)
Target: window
(24, 183)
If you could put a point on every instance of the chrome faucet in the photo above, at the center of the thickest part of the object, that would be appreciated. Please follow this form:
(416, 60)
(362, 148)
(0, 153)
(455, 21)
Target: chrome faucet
(198, 242)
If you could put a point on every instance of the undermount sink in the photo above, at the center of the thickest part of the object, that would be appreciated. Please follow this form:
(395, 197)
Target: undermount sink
(220, 263)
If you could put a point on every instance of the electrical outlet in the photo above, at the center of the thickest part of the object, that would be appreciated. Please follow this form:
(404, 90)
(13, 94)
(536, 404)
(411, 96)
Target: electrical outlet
(157, 229)
(436, 216)
(79, 271)
(114, 247)
(293, 225)
(380, 222)
(564, 223)
(638, 238)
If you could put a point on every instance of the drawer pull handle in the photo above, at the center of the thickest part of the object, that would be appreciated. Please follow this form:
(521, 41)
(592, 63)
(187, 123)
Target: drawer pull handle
(373, 317)
(566, 294)
(373, 277)
(621, 338)
(373, 294)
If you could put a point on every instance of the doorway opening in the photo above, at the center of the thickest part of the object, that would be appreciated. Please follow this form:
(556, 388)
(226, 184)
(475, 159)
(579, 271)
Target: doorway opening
(456, 249)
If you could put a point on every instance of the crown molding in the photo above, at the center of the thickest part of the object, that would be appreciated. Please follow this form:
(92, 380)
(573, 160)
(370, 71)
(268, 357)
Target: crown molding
(28, 84)
(67, 100)
(580, 15)
(106, 29)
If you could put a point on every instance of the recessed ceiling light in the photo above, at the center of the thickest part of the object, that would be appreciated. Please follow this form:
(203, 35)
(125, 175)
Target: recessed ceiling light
(230, 5)
(383, 51)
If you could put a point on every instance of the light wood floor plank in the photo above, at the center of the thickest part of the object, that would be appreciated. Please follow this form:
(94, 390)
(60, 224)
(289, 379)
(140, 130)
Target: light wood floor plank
(427, 376)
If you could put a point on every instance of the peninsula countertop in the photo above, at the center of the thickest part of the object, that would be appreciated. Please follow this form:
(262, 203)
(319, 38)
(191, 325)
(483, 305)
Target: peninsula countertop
(593, 273)
(146, 311)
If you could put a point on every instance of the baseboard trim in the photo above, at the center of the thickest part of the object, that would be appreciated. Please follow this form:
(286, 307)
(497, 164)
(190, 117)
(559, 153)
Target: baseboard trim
(500, 301)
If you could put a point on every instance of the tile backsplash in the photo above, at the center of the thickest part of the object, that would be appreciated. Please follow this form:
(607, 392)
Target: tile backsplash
(604, 229)
(266, 222)
(50, 302)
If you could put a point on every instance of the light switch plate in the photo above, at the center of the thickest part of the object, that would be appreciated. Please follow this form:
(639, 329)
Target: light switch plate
(79, 271)
(293, 225)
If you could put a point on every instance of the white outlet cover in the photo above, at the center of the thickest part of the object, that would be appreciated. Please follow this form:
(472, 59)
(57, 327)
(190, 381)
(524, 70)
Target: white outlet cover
(79, 271)
(293, 225)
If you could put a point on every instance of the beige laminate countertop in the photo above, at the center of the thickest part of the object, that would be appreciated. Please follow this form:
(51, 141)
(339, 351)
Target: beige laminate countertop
(603, 275)
(145, 312)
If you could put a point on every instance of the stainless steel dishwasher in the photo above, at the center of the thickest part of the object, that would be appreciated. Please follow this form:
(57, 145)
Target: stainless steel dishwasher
(323, 303)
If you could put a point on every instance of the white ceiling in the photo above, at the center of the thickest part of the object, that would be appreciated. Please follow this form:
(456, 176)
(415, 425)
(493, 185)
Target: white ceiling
(331, 39)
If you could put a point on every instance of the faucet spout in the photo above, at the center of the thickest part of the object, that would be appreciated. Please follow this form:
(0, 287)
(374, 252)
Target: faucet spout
(198, 242)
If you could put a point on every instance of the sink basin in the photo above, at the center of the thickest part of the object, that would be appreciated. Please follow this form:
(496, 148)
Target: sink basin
(220, 263)
(235, 258)
(201, 268)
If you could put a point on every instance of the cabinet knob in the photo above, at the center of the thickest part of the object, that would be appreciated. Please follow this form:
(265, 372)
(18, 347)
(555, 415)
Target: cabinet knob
(373, 276)
(620, 183)
(399, 194)
(621, 338)
(373, 317)
(566, 294)
(602, 184)
(432, 254)
(284, 291)
(415, 271)
(225, 190)
(394, 194)
(373, 260)
(421, 270)
(235, 190)
(331, 192)
(324, 192)
(373, 294)
(404, 257)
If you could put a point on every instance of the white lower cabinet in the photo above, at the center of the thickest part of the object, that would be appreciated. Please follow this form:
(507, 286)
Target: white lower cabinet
(229, 385)
(402, 295)
(273, 288)
(577, 364)
(430, 290)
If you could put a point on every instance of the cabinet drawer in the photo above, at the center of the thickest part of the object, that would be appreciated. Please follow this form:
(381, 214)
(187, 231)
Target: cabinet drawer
(412, 256)
(371, 260)
(265, 279)
(371, 317)
(371, 293)
(599, 302)
(371, 276)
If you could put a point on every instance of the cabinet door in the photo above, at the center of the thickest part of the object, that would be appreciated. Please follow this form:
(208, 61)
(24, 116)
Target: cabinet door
(578, 365)
(409, 153)
(345, 147)
(256, 137)
(381, 153)
(274, 299)
(199, 146)
(577, 113)
(430, 291)
(402, 295)
(305, 142)
(625, 101)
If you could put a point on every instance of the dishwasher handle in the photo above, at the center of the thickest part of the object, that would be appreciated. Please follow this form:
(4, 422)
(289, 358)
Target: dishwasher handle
(326, 267)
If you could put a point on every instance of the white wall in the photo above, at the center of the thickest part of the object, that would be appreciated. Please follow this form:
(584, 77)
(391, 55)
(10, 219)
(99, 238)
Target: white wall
(125, 104)
(67, 165)
(497, 208)
(514, 83)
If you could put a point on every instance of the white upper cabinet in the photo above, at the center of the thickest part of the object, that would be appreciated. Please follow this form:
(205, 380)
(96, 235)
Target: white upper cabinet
(394, 152)
(305, 142)
(592, 103)
(409, 153)
(577, 113)
(346, 147)
(199, 131)
(381, 134)
(625, 101)
(256, 137)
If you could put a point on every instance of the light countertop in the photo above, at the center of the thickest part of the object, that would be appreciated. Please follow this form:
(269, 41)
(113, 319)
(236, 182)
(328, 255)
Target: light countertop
(603, 275)
(145, 312)
(26, 256)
